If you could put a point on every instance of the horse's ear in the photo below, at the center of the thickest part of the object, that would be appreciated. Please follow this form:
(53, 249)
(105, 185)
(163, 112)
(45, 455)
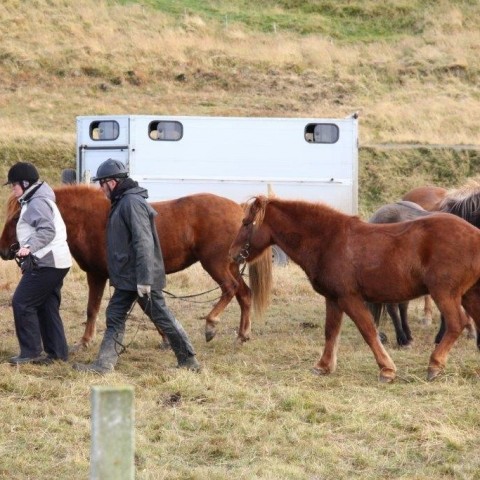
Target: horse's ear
(270, 191)
(258, 208)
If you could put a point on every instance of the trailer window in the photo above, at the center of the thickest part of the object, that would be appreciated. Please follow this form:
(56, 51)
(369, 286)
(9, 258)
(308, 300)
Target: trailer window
(165, 130)
(104, 130)
(322, 133)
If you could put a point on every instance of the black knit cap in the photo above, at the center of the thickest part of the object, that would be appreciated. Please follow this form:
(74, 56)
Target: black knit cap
(22, 171)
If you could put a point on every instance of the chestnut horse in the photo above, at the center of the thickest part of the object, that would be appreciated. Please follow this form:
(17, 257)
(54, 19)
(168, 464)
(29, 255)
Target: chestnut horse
(196, 228)
(428, 198)
(463, 202)
(400, 212)
(349, 261)
(391, 213)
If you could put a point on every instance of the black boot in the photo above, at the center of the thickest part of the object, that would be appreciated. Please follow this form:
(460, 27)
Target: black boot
(107, 356)
(189, 363)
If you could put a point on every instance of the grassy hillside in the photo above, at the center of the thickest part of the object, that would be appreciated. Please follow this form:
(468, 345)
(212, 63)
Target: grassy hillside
(410, 68)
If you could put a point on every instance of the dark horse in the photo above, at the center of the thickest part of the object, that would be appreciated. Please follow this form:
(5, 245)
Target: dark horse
(349, 261)
(195, 228)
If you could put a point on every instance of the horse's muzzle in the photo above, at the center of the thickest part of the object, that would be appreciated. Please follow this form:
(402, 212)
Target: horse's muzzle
(10, 252)
(6, 254)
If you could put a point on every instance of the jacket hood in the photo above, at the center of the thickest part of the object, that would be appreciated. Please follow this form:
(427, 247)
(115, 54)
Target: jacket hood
(38, 190)
(125, 187)
(138, 190)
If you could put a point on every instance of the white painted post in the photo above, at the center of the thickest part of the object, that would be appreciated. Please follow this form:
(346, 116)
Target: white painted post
(113, 441)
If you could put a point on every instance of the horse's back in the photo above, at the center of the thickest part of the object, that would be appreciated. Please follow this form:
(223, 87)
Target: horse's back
(199, 227)
(200, 211)
(398, 212)
(427, 197)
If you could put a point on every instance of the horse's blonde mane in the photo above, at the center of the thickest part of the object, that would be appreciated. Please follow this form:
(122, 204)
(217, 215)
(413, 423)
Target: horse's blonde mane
(13, 207)
(471, 187)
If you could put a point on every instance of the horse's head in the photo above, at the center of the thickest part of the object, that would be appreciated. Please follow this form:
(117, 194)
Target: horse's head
(8, 237)
(252, 244)
(464, 202)
(244, 246)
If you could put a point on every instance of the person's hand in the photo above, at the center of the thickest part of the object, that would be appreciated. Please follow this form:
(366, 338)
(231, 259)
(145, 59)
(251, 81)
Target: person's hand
(144, 290)
(23, 252)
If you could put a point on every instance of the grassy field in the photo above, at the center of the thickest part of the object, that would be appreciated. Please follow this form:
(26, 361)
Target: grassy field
(411, 68)
(255, 411)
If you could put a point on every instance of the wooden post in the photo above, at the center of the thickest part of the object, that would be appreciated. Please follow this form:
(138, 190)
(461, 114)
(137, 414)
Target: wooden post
(113, 441)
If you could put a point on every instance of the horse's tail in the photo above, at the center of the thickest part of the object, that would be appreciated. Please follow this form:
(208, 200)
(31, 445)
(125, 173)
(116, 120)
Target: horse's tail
(376, 309)
(260, 280)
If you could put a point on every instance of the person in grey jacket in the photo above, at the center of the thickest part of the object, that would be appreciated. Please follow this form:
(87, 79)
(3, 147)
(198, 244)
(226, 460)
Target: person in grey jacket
(45, 259)
(135, 269)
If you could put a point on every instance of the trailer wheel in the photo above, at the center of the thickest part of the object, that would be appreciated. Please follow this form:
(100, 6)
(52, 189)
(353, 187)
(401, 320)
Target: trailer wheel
(279, 257)
(69, 175)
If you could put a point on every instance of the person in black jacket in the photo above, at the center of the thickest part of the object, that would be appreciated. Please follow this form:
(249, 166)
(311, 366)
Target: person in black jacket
(135, 269)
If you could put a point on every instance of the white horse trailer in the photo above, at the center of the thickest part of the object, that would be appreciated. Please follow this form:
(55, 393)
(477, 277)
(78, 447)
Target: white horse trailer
(314, 159)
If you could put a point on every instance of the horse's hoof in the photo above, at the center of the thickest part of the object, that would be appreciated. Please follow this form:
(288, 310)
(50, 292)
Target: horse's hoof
(210, 333)
(433, 373)
(383, 338)
(320, 371)
(386, 376)
(77, 347)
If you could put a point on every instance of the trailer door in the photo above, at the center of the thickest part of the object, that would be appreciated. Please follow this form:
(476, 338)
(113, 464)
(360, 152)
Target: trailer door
(98, 140)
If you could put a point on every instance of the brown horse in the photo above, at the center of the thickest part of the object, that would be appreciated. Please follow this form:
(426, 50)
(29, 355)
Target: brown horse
(428, 198)
(463, 202)
(196, 228)
(349, 261)
(393, 213)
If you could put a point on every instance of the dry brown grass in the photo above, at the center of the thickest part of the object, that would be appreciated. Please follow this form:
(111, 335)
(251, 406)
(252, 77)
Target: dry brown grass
(255, 411)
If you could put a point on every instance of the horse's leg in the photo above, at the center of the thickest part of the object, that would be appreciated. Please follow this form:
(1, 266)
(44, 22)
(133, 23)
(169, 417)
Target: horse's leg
(229, 286)
(355, 308)
(441, 330)
(471, 330)
(96, 287)
(403, 307)
(376, 310)
(471, 303)
(395, 313)
(470, 327)
(333, 323)
(244, 299)
(455, 321)
(427, 310)
(165, 345)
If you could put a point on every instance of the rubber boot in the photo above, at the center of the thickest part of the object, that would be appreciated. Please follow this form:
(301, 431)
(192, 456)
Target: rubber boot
(189, 363)
(107, 356)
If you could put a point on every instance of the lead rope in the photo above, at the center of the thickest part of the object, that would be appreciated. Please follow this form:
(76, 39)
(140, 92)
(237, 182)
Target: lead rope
(120, 347)
(187, 297)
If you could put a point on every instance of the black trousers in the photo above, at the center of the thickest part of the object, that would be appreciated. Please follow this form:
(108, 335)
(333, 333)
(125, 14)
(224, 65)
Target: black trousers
(36, 305)
(155, 308)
